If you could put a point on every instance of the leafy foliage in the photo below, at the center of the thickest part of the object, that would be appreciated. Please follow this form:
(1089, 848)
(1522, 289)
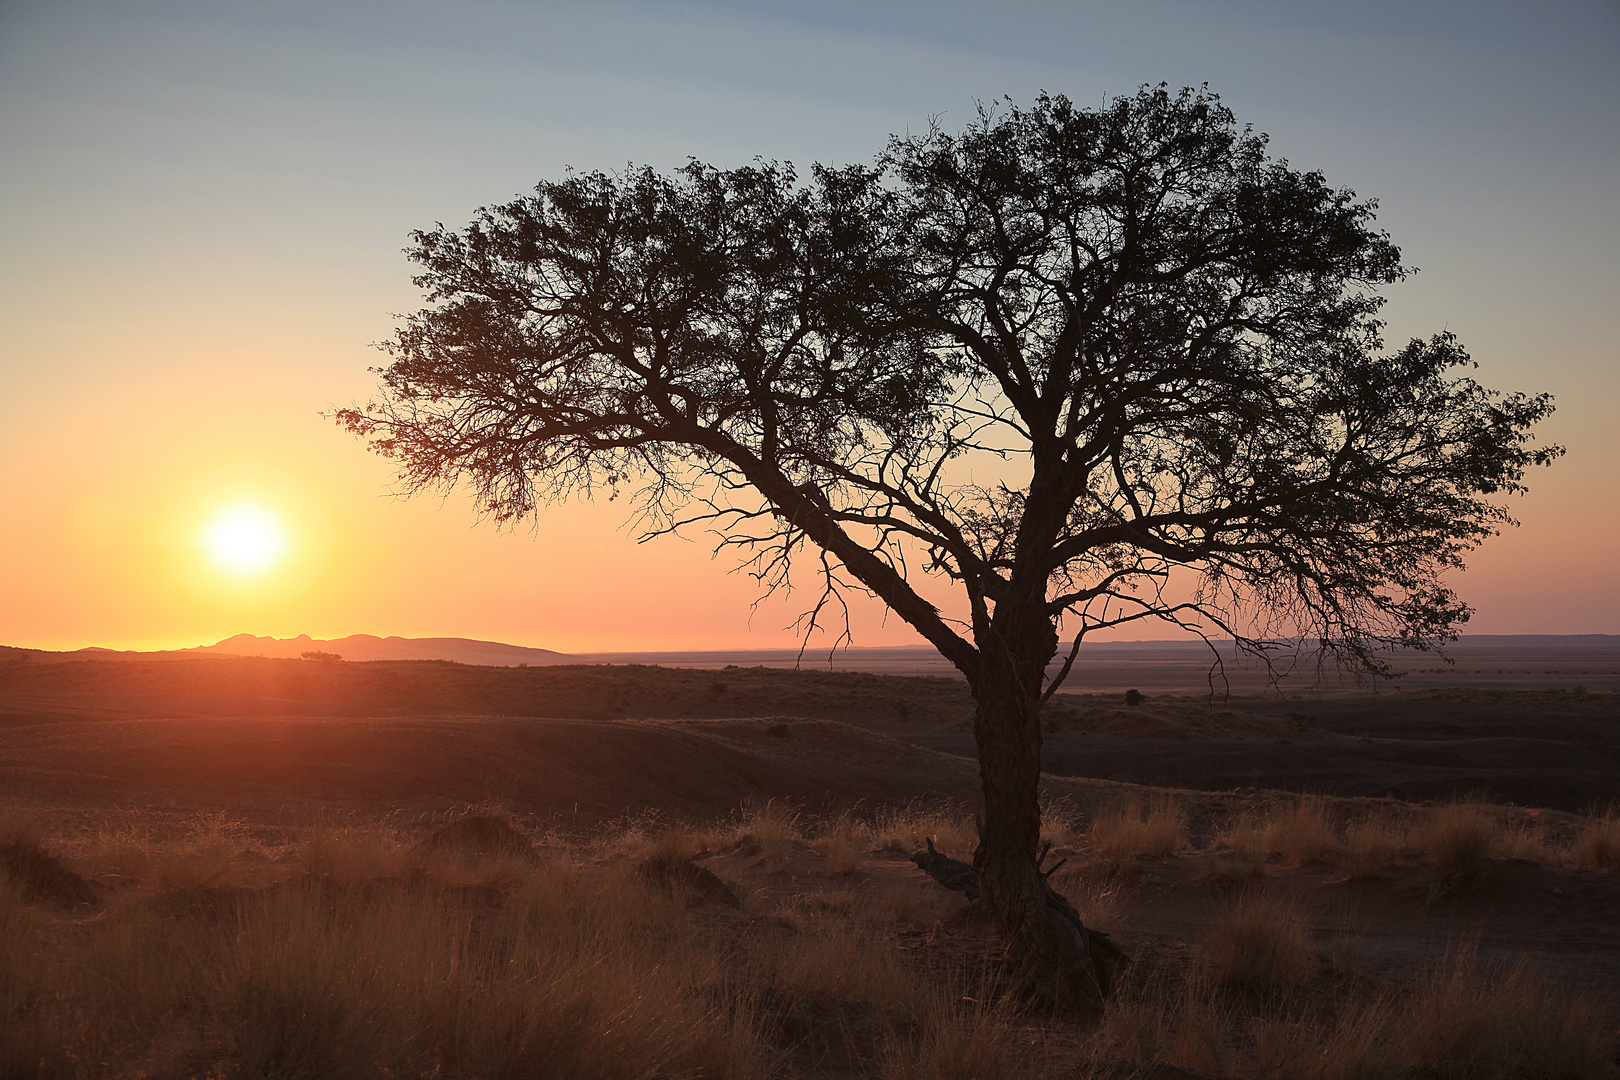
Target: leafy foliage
(1054, 357)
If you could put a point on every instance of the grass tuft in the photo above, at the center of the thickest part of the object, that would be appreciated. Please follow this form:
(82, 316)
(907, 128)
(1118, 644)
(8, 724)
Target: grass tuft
(1372, 847)
(1458, 840)
(1599, 842)
(1156, 828)
(1260, 942)
(1301, 834)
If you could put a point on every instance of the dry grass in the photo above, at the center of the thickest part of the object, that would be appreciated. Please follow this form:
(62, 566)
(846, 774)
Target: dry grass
(1134, 1028)
(843, 843)
(1599, 842)
(774, 830)
(1482, 1021)
(325, 977)
(1261, 942)
(1240, 853)
(1372, 846)
(1201, 1037)
(1466, 1023)
(1100, 898)
(1301, 834)
(1458, 840)
(963, 1037)
(918, 904)
(347, 952)
(1157, 828)
(902, 831)
(842, 961)
(1529, 840)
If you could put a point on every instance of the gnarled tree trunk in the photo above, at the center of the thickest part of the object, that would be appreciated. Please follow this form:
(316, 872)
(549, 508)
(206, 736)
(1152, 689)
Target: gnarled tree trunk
(1047, 946)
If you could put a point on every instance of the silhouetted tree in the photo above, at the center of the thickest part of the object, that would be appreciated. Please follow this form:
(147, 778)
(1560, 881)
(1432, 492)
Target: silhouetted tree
(1054, 359)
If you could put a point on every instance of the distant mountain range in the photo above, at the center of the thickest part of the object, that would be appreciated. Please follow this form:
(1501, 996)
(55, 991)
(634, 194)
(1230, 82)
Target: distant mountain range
(353, 647)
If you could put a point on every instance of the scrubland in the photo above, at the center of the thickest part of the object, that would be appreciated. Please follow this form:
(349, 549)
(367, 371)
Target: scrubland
(779, 943)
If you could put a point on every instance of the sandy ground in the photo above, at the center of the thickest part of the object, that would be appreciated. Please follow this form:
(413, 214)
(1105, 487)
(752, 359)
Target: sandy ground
(279, 744)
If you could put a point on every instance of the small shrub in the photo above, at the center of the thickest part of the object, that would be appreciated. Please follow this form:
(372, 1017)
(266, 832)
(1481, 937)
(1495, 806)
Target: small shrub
(1133, 698)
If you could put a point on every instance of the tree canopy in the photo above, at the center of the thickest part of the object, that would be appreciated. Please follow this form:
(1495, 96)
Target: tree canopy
(1054, 359)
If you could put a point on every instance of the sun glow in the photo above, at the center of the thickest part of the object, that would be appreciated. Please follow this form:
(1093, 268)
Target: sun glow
(244, 540)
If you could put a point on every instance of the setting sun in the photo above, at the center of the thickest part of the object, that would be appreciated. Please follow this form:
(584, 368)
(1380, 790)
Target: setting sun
(244, 540)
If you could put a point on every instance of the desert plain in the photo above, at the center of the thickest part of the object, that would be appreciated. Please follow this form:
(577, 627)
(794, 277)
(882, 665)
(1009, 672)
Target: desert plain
(701, 866)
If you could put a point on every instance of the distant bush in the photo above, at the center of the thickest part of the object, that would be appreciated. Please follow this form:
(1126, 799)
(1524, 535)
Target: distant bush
(316, 654)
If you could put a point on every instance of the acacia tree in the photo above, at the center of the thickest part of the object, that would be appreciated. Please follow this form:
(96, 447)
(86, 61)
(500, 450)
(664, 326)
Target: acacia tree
(1053, 359)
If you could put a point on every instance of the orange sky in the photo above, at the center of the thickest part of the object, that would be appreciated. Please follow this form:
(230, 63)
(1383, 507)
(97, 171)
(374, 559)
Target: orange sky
(203, 208)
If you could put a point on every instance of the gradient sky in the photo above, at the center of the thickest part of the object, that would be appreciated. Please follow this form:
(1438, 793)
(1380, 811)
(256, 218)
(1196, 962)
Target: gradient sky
(202, 207)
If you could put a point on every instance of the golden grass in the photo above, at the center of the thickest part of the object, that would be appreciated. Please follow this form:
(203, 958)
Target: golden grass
(1260, 942)
(1098, 897)
(1136, 1026)
(843, 843)
(1467, 1022)
(1474, 1020)
(774, 830)
(844, 961)
(1240, 853)
(901, 831)
(963, 1037)
(1529, 840)
(348, 952)
(1301, 833)
(1458, 840)
(1200, 1037)
(919, 904)
(1155, 828)
(1599, 841)
(1372, 846)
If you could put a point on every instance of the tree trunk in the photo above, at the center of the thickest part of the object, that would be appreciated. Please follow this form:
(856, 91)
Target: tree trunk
(1047, 947)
